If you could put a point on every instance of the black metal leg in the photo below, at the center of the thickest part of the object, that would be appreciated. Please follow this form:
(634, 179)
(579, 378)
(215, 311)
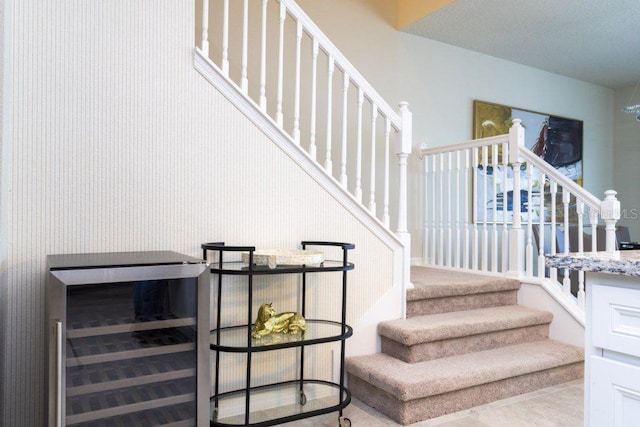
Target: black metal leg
(304, 312)
(218, 331)
(249, 316)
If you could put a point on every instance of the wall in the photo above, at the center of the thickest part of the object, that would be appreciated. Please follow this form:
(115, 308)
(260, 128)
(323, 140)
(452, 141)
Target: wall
(117, 144)
(440, 83)
(627, 158)
(4, 51)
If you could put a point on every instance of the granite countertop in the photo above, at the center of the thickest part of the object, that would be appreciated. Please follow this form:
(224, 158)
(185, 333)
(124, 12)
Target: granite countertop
(621, 262)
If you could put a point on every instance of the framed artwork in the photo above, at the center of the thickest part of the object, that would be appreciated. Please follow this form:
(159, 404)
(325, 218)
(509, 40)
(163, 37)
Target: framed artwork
(557, 140)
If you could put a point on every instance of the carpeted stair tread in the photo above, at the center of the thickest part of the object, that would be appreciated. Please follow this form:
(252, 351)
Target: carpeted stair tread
(407, 381)
(438, 283)
(436, 327)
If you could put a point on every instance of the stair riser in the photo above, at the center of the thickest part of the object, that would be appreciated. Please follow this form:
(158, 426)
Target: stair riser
(460, 302)
(446, 403)
(462, 345)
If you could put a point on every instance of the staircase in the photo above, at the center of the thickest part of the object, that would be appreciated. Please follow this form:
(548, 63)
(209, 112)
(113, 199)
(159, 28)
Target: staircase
(465, 342)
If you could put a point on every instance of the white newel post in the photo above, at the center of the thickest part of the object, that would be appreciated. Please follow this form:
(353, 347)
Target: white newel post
(610, 212)
(516, 234)
(403, 149)
(204, 39)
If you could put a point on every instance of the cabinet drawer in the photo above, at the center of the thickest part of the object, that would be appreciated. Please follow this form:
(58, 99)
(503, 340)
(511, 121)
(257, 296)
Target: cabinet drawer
(615, 393)
(616, 319)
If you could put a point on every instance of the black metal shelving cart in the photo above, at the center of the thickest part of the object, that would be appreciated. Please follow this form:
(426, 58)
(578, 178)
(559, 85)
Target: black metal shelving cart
(237, 339)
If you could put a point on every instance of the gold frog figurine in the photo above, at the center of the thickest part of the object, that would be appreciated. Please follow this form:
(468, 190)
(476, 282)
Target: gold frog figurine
(268, 322)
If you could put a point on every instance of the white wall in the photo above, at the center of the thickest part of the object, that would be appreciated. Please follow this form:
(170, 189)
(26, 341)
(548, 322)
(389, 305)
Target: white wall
(626, 159)
(117, 143)
(3, 170)
(440, 83)
(5, 120)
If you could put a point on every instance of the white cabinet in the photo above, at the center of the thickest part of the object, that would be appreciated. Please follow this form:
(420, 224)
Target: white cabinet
(612, 359)
(615, 393)
(617, 311)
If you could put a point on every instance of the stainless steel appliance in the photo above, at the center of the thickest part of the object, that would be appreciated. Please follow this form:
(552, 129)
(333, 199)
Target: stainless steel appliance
(123, 330)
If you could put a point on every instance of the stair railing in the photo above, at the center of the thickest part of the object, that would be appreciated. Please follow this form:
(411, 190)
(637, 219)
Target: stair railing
(492, 205)
(280, 87)
(273, 53)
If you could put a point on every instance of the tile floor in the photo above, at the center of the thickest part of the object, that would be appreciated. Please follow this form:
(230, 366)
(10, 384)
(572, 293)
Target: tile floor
(557, 406)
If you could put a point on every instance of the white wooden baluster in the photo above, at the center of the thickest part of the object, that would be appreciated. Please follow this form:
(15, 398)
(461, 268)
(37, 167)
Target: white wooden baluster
(425, 242)
(225, 38)
(283, 16)
(263, 59)
(244, 82)
(449, 246)
(358, 191)
(458, 236)
(204, 37)
(434, 236)
(553, 272)
(530, 209)
(466, 257)
(328, 164)
(296, 102)
(541, 260)
(387, 133)
(593, 214)
(345, 111)
(485, 231)
(580, 211)
(314, 92)
(372, 192)
(441, 260)
(494, 211)
(566, 197)
(505, 229)
(474, 232)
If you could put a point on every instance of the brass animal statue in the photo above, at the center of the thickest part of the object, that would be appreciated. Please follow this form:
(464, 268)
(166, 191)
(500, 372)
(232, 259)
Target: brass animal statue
(268, 322)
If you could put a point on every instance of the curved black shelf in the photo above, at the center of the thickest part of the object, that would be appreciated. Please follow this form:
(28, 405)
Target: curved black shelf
(296, 411)
(233, 339)
(242, 268)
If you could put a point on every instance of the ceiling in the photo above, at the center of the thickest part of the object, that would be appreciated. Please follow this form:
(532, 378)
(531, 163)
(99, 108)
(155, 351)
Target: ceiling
(597, 41)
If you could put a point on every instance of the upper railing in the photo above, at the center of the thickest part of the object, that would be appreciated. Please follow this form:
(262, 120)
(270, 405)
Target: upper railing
(274, 52)
(493, 205)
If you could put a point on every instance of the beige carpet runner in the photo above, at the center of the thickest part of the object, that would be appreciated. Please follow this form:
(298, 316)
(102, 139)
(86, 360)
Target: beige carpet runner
(465, 343)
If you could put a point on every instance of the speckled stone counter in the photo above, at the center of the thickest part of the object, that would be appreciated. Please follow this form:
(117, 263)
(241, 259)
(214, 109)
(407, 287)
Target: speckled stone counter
(620, 262)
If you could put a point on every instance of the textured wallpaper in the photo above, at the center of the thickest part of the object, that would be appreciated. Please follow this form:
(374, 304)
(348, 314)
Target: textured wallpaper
(120, 145)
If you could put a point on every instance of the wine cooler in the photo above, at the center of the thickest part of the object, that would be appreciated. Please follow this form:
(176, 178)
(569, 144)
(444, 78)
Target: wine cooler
(123, 333)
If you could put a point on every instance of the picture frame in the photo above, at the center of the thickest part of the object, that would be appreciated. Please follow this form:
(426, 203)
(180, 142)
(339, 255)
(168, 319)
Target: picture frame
(557, 140)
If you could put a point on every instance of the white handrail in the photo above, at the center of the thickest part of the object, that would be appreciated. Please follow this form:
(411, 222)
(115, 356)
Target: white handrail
(589, 199)
(482, 142)
(528, 155)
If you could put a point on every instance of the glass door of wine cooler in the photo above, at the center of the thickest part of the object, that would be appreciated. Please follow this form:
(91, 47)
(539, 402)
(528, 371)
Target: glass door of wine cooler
(125, 341)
